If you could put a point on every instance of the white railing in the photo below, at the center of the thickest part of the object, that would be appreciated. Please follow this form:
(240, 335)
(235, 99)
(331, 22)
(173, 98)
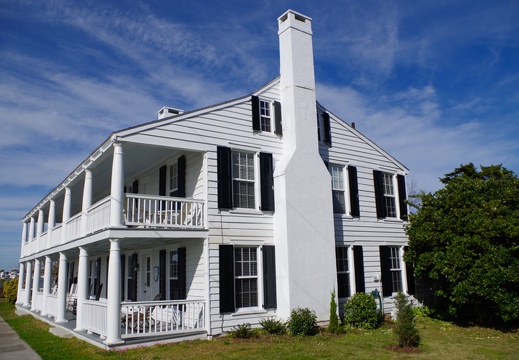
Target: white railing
(162, 211)
(73, 227)
(99, 215)
(56, 235)
(38, 301)
(154, 318)
(43, 241)
(94, 317)
(51, 307)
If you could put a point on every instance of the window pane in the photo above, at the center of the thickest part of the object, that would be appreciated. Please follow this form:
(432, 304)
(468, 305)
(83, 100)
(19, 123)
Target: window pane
(339, 205)
(246, 272)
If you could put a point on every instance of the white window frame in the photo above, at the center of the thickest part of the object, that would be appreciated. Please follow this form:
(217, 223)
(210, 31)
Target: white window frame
(341, 169)
(266, 118)
(390, 193)
(236, 179)
(396, 268)
(257, 277)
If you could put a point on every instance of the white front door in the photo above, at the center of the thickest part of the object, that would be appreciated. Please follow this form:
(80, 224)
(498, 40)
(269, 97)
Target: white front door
(147, 278)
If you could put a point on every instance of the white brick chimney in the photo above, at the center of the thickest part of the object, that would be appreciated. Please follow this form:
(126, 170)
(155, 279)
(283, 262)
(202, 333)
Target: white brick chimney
(303, 221)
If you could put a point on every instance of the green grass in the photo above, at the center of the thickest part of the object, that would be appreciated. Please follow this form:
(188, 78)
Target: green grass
(440, 340)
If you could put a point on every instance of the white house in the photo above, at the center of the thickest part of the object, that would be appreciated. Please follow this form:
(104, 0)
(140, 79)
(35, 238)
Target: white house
(202, 220)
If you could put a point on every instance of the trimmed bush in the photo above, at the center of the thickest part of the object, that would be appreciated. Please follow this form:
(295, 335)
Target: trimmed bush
(405, 329)
(333, 326)
(273, 326)
(361, 311)
(11, 290)
(302, 322)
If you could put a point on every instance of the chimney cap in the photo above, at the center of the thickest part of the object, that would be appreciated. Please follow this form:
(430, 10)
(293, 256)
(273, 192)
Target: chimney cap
(296, 20)
(167, 111)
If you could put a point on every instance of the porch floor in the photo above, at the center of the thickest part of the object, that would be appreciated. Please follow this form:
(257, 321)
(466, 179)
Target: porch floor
(94, 339)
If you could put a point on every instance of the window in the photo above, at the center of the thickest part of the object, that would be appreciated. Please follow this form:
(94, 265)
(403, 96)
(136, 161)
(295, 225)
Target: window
(241, 282)
(391, 268)
(343, 273)
(246, 275)
(173, 180)
(243, 179)
(389, 195)
(338, 189)
(265, 116)
(390, 201)
(323, 128)
(177, 274)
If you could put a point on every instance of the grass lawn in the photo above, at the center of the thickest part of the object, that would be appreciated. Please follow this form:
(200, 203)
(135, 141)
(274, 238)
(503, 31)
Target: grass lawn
(440, 340)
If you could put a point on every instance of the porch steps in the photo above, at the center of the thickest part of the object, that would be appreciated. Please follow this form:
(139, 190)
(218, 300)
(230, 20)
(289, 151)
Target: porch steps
(61, 332)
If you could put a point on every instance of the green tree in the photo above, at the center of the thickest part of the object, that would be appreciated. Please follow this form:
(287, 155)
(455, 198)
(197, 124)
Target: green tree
(405, 329)
(463, 240)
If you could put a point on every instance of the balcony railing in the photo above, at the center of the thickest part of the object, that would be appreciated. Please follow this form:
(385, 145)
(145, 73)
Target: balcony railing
(161, 211)
(161, 317)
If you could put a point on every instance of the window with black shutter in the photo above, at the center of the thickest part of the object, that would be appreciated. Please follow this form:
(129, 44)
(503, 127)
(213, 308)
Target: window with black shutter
(358, 258)
(279, 121)
(226, 262)
(327, 136)
(256, 122)
(354, 191)
(267, 182)
(269, 277)
(402, 195)
(224, 177)
(411, 284)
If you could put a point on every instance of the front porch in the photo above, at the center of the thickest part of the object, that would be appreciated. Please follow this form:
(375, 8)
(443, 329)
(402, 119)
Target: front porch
(141, 323)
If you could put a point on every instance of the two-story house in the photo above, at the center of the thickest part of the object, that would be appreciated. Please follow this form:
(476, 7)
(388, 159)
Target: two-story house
(196, 222)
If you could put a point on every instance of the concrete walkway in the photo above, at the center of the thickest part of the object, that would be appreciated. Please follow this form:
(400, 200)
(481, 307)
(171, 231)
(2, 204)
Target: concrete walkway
(12, 347)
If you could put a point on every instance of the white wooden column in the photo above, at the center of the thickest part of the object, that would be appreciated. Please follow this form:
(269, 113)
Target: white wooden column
(82, 287)
(21, 275)
(117, 188)
(35, 283)
(87, 201)
(113, 316)
(28, 277)
(39, 230)
(47, 277)
(51, 222)
(62, 288)
(31, 229)
(67, 204)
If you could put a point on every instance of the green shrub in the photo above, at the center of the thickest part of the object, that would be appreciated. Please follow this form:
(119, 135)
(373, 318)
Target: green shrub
(242, 331)
(333, 326)
(361, 311)
(273, 326)
(302, 322)
(405, 329)
(11, 290)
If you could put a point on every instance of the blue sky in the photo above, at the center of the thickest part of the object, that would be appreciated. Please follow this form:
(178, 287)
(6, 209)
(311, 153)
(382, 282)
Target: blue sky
(434, 83)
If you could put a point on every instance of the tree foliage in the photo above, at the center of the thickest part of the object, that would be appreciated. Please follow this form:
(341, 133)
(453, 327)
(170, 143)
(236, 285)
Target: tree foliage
(463, 240)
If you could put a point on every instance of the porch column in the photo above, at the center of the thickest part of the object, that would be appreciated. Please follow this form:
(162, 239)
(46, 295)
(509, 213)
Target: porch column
(35, 283)
(117, 188)
(31, 229)
(21, 275)
(82, 287)
(87, 201)
(51, 222)
(67, 203)
(28, 276)
(47, 276)
(113, 312)
(62, 288)
(39, 229)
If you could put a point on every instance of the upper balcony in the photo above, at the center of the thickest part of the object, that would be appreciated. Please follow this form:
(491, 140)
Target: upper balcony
(134, 186)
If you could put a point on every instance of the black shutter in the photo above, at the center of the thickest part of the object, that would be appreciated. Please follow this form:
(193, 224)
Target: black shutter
(402, 194)
(267, 182)
(162, 274)
(411, 286)
(385, 269)
(269, 277)
(379, 194)
(181, 176)
(135, 187)
(255, 113)
(162, 180)
(354, 191)
(226, 253)
(279, 122)
(182, 272)
(358, 259)
(123, 275)
(327, 129)
(224, 177)
(132, 283)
